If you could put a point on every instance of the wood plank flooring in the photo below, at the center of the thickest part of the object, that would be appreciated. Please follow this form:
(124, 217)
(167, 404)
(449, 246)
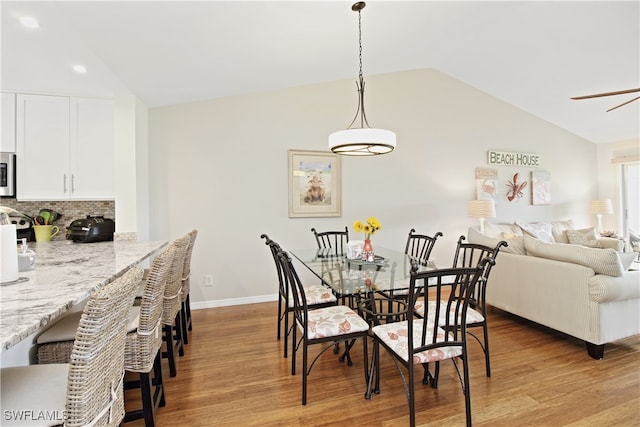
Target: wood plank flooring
(233, 374)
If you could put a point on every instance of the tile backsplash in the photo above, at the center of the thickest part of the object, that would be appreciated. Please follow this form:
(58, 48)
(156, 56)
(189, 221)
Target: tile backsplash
(69, 210)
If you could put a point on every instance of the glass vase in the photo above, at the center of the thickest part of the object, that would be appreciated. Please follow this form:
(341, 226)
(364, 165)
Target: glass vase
(367, 251)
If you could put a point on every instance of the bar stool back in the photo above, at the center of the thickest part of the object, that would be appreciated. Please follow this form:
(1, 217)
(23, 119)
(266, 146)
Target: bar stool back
(93, 378)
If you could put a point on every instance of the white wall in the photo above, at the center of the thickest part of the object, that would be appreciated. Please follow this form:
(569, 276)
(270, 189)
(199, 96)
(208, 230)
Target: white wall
(125, 164)
(221, 166)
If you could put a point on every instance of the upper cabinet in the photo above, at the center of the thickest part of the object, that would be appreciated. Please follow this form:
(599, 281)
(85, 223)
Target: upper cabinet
(8, 141)
(91, 153)
(64, 148)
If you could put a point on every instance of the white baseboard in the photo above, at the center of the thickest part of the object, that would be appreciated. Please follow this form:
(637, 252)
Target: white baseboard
(233, 301)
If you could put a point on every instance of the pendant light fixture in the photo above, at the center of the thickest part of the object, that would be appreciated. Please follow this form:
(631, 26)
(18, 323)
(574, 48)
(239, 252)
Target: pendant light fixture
(363, 140)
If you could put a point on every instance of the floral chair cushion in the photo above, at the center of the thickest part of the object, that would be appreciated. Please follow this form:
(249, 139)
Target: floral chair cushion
(395, 336)
(334, 321)
(316, 294)
(473, 316)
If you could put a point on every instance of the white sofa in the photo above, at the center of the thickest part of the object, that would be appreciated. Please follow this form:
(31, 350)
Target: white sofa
(585, 292)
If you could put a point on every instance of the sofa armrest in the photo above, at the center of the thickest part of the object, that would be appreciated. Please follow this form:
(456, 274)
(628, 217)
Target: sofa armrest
(603, 288)
(613, 243)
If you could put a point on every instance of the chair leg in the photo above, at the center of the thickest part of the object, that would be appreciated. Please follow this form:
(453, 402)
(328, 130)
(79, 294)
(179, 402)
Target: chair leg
(487, 359)
(286, 331)
(151, 394)
(279, 316)
(293, 350)
(374, 372)
(467, 392)
(189, 323)
(183, 324)
(147, 400)
(169, 354)
(177, 326)
(412, 399)
(157, 378)
(305, 372)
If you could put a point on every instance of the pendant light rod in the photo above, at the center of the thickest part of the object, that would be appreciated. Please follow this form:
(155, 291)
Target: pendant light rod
(362, 141)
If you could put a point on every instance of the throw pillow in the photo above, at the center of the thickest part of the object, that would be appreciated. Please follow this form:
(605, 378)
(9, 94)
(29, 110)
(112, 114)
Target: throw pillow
(539, 230)
(627, 259)
(498, 230)
(584, 237)
(601, 261)
(516, 245)
(559, 228)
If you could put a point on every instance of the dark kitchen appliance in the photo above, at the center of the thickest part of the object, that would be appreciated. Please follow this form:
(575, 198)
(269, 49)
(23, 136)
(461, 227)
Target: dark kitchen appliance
(91, 229)
(23, 227)
(7, 175)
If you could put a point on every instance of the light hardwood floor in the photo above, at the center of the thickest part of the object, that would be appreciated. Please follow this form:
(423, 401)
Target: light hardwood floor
(233, 374)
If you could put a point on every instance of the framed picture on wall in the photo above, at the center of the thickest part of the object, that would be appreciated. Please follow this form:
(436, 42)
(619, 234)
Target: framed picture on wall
(315, 184)
(540, 187)
(486, 183)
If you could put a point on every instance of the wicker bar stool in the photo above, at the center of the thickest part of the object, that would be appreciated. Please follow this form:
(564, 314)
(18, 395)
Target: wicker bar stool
(142, 344)
(142, 347)
(186, 286)
(172, 304)
(93, 378)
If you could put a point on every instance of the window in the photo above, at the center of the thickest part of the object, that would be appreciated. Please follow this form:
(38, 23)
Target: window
(630, 198)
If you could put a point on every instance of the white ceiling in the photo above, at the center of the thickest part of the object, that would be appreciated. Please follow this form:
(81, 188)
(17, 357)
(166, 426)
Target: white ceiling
(534, 55)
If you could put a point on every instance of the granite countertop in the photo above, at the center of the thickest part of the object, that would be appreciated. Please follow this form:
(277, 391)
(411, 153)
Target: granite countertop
(65, 275)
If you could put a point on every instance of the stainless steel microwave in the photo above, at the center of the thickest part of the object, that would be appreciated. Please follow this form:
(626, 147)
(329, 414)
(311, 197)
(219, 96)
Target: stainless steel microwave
(7, 175)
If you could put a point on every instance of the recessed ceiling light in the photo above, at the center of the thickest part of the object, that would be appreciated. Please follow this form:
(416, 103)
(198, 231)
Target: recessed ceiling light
(80, 69)
(29, 22)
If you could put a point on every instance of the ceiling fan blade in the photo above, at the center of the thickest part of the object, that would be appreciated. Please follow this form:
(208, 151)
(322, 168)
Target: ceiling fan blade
(597, 95)
(624, 103)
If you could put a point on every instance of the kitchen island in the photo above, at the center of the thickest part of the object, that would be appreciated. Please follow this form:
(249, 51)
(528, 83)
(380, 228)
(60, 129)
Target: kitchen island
(65, 274)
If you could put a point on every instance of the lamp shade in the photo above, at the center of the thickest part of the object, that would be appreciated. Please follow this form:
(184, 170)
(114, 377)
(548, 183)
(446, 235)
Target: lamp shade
(601, 207)
(485, 208)
(362, 142)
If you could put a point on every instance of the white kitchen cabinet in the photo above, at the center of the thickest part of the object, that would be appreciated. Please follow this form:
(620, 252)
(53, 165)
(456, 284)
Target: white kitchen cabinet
(8, 138)
(42, 151)
(91, 148)
(64, 148)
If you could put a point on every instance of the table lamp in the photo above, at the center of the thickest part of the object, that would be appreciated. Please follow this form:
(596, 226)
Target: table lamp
(481, 209)
(600, 207)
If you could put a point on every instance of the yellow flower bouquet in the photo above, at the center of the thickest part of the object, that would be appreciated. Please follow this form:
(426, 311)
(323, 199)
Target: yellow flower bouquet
(369, 228)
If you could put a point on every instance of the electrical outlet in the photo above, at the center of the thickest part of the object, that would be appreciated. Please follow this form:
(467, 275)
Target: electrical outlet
(208, 280)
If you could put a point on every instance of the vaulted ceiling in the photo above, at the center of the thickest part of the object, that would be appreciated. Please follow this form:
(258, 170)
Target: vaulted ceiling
(533, 55)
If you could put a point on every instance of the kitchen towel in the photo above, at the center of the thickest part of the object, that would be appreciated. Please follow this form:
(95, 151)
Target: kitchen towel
(8, 253)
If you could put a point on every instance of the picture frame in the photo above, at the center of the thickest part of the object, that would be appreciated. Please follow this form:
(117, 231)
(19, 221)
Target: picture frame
(486, 183)
(315, 184)
(540, 187)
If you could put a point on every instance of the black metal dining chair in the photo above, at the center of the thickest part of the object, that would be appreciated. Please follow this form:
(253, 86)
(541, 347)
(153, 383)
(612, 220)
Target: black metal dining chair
(335, 240)
(327, 325)
(470, 255)
(419, 246)
(317, 295)
(431, 337)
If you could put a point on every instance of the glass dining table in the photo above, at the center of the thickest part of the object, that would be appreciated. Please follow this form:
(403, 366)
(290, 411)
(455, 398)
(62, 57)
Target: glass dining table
(390, 271)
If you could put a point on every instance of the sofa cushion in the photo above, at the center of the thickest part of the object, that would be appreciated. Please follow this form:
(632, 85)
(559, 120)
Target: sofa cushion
(501, 231)
(627, 259)
(538, 230)
(559, 228)
(584, 237)
(516, 244)
(601, 261)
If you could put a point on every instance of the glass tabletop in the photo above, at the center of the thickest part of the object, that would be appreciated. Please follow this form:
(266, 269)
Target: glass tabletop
(389, 271)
